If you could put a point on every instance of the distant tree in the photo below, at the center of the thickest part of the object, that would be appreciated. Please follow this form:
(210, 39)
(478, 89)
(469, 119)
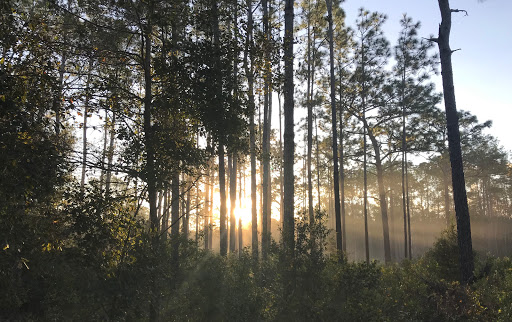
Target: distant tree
(412, 69)
(369, 80)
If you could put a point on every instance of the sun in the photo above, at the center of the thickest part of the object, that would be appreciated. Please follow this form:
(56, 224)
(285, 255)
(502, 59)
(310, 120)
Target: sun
(243, 211)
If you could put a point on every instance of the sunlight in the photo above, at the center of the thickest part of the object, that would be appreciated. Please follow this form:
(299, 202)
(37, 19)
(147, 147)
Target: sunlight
(243, 211)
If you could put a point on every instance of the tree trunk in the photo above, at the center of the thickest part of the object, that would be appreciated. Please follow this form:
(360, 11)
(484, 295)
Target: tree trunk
(223, 206)
(197, 216)
(382, 198)
(165, 214)
(408, 207)
(186, 216)
(342, 175)
(289, 134)
(148, 131)
(104, 152)
(84, 137)
(254, 190)
(57, 99)
(210, 211)
(336, 180)
(232, 199)
(206, 205)
(175, 206)
(458, 181)
(310, 125)
(110, 154)
(265, 238)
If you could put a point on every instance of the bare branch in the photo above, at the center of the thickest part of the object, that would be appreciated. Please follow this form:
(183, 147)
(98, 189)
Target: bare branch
(432, 39)
(460, 10)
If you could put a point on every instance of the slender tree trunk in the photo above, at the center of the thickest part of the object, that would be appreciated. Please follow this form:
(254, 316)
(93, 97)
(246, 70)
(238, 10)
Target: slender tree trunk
(365, 174)
(165, 214)
(342, 174)
(254, 189)
(175, 206)
(408, 207)
(148, 131)
(57, 99)
(336, 180)
(404, 153)
(186, 221)
(159, 206)
(84, 135)
(289, 135)
(281, 182)
(223, 207)
(110, 154)
(197, 215)
(232, 199)
(458, 181)
(104, 152)
(210, 211)
(206, 207)
(265, 239)
(269, 130)
(150, 159)
(310, 124)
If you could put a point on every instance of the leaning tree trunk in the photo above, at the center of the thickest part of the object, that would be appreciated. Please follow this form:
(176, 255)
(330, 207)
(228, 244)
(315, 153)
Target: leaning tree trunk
(458, 181)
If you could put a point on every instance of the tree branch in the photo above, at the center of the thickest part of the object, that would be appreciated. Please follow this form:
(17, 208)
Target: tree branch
(460, 10)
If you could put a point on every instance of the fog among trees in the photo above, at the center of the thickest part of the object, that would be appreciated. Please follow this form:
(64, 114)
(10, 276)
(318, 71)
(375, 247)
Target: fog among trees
(237, 160)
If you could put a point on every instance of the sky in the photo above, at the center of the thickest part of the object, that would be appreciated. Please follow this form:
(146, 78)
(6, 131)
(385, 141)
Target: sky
(482, 68)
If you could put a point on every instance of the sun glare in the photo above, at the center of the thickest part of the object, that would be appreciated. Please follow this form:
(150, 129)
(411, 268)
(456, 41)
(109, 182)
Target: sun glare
(243, 211)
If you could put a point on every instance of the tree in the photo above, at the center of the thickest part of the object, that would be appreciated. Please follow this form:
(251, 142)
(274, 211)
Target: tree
(372, 51)
(413, 65)
(459, 185)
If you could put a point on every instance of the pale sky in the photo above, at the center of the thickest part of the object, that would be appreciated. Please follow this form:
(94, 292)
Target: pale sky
(482, 68)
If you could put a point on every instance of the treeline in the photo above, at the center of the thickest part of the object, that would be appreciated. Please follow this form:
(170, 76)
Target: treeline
(132, 133)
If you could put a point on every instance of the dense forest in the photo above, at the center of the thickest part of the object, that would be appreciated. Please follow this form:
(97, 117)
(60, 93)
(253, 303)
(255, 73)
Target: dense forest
(235, 160)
